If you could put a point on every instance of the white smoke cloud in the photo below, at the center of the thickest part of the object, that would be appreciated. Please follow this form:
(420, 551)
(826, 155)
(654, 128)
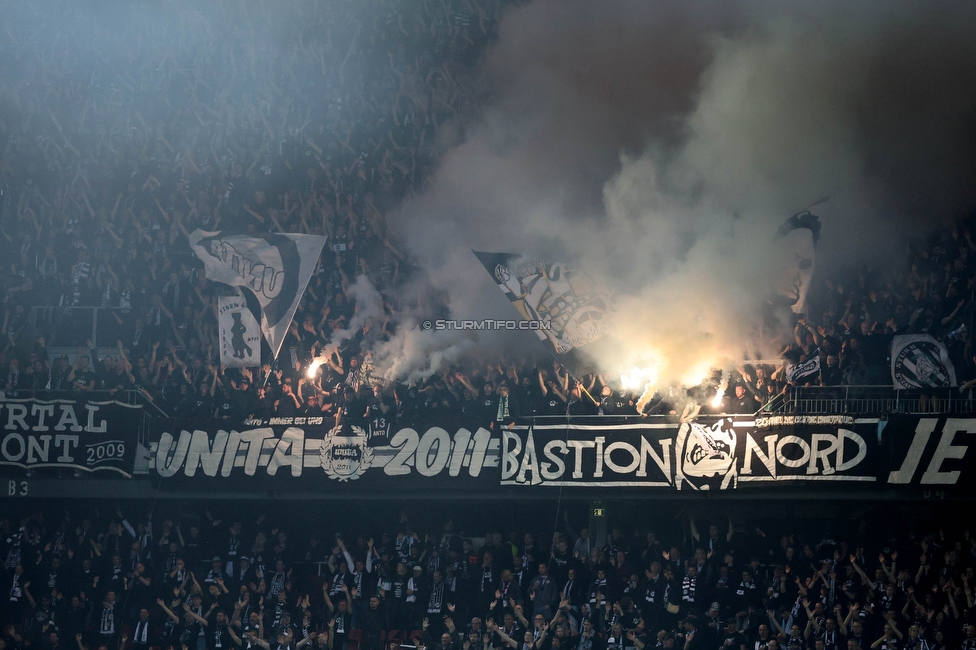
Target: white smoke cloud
(368, 310)
(415, 354)
(661, 149)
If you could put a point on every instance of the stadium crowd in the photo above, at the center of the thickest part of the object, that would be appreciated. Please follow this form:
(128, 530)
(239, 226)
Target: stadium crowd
(109, 162)
(114, 581)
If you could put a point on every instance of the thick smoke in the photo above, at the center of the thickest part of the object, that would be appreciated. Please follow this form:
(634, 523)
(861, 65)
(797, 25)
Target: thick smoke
(415, 354)
(368, 310)
(656, 145)
(660, 148)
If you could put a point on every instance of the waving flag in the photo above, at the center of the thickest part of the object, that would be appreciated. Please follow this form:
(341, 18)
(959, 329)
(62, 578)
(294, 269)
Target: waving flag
(796, 242)
(919, 361)
(798, 373)
(276, 268)
(573, 309)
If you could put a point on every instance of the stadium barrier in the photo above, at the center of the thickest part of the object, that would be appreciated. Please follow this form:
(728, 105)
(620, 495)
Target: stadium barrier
(871, 400)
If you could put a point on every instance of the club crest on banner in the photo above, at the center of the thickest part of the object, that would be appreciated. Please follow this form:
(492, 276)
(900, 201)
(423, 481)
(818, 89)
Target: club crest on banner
(921, 362)
(706, 456)
(346, 456)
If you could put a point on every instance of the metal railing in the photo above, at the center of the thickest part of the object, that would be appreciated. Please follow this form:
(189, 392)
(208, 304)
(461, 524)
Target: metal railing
(872, 400)
(811, 400)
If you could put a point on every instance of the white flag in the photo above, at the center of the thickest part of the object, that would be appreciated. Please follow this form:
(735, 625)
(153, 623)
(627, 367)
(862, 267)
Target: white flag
(919, 361)
(240, 334)
(276, 268)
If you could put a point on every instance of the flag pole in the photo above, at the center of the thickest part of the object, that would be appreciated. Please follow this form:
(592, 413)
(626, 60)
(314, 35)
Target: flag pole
(571, 374)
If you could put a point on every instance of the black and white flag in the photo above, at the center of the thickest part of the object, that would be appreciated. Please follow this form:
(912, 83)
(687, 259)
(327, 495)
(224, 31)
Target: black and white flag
(569, 308)
(240, 334)
(800, 372)
(275, 267)
(796, 249)
(919, 361)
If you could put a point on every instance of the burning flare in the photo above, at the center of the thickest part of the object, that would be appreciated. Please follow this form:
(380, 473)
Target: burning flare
(641, 377)
(722, 387)
(313, 368)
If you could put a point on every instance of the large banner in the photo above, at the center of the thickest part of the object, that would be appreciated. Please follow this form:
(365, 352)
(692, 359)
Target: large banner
(276, 268)
(283, 449)
(931, 452)
(240, 334)
(919, 361)
(91, 437)
(708, 454)
(711, 454)
(862, 457)
(576, 309)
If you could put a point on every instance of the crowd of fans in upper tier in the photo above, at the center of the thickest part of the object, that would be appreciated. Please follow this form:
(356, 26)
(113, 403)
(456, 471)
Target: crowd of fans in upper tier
(307, 117)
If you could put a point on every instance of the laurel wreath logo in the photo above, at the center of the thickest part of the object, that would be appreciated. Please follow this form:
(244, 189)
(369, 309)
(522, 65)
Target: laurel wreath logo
(358, 441)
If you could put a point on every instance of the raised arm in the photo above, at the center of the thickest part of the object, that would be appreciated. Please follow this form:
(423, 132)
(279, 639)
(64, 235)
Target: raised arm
(256, 640)
(894, 627)
(27, 593)
(949, 589)
(772, 619)
(169, 612)
(328, 601)
(507, 640)
(196, 617)
(864, 577)
(851, 613)
(346, 554)
(233, 636)
(370, 553)
(810, 629)
(635, 640)
(893, 571)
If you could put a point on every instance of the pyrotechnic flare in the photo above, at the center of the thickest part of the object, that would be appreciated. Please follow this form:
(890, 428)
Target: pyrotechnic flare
(645, 397)
(641, 377)
(313, 367)
(722, 387)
